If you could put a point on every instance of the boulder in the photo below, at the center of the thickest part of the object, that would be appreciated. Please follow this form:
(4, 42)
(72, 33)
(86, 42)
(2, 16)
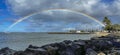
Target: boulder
(7, 51)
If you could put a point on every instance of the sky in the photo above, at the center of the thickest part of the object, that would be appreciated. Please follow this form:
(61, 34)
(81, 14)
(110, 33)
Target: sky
(56, 15)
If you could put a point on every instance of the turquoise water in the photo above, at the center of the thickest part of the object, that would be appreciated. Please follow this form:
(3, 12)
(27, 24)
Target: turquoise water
(20, 41)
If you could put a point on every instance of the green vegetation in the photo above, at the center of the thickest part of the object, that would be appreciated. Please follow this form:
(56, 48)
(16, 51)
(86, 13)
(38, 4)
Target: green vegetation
(109, 26)
(107, 21)
(116, 27)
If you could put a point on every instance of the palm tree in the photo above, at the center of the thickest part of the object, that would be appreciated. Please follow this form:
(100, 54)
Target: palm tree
(106, 21)
(108, 24)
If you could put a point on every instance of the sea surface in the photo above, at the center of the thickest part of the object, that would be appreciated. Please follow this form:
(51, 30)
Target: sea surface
(20, 41)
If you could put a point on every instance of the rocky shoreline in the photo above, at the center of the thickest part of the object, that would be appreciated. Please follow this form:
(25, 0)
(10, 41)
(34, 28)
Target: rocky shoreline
(104, 45)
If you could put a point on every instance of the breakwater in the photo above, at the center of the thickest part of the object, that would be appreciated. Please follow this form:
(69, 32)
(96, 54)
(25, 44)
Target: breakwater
(109, 44)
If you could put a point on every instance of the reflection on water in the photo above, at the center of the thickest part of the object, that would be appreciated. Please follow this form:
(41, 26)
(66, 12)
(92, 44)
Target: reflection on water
(20, 41)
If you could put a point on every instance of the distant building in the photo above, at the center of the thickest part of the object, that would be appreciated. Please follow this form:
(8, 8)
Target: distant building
(78, 31)
(75, 31)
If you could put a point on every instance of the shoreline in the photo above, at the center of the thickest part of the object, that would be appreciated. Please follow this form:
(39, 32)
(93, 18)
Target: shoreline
(66, 33)
(104, 44)
(98, 34)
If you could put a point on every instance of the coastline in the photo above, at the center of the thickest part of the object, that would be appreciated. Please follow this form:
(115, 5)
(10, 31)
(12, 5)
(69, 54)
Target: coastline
(98, 34)
(68, 33)
(105, 44)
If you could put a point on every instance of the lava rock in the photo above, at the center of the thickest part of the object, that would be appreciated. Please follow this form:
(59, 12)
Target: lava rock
(7, 51)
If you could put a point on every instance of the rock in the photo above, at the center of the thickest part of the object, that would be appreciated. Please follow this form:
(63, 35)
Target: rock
(51, 50)
(68, 51)
(34, 47)
(80, 51)
(90, 51)
(34, 50)
(18, 53)
(101, 53)
(7, 51)
(67, 41)
(101, 45)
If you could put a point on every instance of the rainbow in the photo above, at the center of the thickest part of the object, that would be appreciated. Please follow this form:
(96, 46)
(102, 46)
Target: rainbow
(50, 10)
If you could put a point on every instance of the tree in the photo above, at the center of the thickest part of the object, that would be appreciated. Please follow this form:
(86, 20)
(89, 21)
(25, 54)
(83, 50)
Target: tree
(108, 24)
(106, 21)
(116, 27)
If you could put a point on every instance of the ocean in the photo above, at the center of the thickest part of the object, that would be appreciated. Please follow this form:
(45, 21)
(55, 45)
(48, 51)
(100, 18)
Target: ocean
(20, 41)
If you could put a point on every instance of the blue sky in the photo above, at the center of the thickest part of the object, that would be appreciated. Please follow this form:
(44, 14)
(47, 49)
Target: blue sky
(7, 16)
(13, 10)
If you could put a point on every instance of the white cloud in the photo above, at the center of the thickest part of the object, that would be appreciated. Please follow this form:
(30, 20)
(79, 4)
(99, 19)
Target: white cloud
(92, 7)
